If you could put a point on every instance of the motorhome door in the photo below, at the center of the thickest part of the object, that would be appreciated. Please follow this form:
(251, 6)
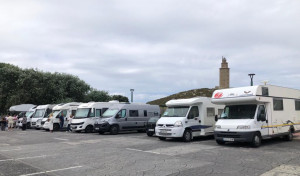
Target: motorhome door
(262, 120)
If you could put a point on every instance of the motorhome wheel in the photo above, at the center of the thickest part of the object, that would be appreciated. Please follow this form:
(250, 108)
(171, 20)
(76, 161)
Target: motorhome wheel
(289, 137)
(150, 133)
(114, 130)
(187, 136)
(56, 127)
(89, 129)
(101, 132)
(256, 141)
(220, 142)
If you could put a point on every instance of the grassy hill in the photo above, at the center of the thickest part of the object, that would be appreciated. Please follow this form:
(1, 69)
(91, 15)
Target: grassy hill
(204, 92)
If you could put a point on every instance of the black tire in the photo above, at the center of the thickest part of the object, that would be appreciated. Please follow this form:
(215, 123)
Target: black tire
(162, 138)
(220, 142)
(289, 137)
(141, 131)
(187, 136)
(37, 128)
(89, 129)
(150, 133)
(28, 125)
(56, 127)
(256, 140)
(101, 132)
(114, 130)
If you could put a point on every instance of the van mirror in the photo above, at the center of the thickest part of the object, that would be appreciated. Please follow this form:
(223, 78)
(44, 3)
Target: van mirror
(117, 116)
(262, 117)
(216, 117)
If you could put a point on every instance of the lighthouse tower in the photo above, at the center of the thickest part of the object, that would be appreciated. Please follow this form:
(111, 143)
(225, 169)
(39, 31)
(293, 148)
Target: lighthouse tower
(224, 74)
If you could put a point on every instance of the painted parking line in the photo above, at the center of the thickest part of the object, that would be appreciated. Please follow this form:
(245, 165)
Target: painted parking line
(61, 139)
(4, 144)
(24, 158)
(7, 150)
(153, 152)
(56, 170)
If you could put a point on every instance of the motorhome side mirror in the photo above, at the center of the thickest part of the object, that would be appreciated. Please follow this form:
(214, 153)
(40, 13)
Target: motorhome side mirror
(117, 116)
(216, 118)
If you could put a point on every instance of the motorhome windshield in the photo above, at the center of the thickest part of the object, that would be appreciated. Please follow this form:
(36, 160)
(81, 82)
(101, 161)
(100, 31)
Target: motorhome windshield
(84, 113)
(55, 113)
(176, 111)
(109, 113)
(239, 112)
(29, 113)
(39, 113)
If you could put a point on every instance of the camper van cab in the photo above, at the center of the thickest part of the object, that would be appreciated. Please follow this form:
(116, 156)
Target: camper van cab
(40, 112)
(187, 118)
(28, 115)
(67, 109)
(87, 114)
(125, 117)
(257, 112)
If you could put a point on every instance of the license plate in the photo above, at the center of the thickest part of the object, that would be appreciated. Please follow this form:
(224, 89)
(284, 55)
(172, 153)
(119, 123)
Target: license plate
(150, 129)
(96, 128)
(165, 134)
(228, 139)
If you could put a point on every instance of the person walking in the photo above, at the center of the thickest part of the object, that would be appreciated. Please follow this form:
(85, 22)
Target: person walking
(69, 123)
(10, 121)
(24, 123)
(62, 120)
(3, 123)
(50, 120)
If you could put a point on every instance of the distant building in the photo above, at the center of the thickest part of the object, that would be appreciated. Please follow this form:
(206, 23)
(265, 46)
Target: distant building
(224, 75)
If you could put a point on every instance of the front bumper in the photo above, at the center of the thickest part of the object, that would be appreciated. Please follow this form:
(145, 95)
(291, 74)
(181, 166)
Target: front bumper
(103, 127)
(77, 127)
(231, 136)
(175, 132)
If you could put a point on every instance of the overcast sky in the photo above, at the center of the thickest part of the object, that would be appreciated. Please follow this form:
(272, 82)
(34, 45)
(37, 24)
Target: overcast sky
(157, 47)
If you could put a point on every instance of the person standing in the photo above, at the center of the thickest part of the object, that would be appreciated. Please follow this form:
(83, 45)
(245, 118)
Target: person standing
(10, 121)
(69, 123)
(24, 123)
(62, 120)
(3, 123)
(50, 120)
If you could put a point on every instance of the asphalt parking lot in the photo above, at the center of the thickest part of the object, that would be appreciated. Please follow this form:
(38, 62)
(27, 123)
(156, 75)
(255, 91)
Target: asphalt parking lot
(36, 152)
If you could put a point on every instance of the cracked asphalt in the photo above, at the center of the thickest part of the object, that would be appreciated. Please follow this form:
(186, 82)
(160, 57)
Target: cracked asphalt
(36, 152)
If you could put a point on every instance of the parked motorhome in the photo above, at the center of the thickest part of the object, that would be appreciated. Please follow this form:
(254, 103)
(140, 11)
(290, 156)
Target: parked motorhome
(40, 112)
(87, 114)
(28, 115)
(67, 109)
(257, 112)
(124, 117)
(188, 118)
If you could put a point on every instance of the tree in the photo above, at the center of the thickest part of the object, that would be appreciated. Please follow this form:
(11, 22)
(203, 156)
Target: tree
(120, 98)
(97, 96)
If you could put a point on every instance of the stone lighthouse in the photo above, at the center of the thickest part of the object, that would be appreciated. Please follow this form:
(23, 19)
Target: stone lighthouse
(224, 74)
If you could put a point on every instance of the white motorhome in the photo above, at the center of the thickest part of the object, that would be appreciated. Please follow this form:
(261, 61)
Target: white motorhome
(125, 117)
(40, 112)
(67, 109)
(188, 118)
(257, 112)
(28, 115)
(87, 114)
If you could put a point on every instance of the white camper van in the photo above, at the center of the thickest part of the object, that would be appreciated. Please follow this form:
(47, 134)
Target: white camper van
(40, 112)
(125, 117)
(67, 109)
(87, 114)
(188, 118)
(28, 115)
(257, 112)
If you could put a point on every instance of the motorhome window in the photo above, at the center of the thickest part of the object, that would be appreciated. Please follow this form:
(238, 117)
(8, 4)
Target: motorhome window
(83, 113)
(210, 112)
(220, 111)
(133, 113)
(156, 114)
(153, 119)
(265, 91)
(48, 111)
(239, 112)
(64, 112)
(297, 105)
(194, 112)
(261, 110)
(278, 104)
(39, 113)
(98, 112)
(176, 111)
(145, 113)
(29, 113)
(92, 113)
(122, 113)
(109, 113)
(73, 112)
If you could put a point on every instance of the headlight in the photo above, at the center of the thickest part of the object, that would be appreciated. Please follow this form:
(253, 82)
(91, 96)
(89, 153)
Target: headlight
(178, 124)
(243, 127)
(218, 126)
